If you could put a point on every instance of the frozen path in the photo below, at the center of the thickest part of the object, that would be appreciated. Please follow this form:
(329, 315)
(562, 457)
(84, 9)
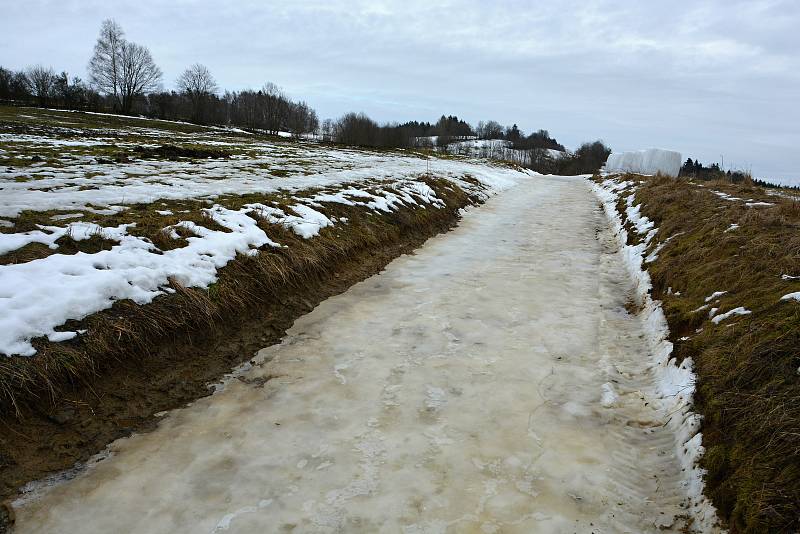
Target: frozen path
(492, 382)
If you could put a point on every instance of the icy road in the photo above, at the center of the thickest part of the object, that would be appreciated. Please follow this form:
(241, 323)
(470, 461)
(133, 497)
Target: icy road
(491, 382)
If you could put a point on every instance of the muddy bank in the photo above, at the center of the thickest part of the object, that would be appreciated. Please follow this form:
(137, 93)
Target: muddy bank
(148, 359)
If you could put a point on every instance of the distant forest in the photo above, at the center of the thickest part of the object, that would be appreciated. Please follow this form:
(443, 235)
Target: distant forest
(124, 78)
(695, 169)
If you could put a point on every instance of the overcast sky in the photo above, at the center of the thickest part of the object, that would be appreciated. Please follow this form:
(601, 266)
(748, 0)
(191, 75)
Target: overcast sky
(709, 78)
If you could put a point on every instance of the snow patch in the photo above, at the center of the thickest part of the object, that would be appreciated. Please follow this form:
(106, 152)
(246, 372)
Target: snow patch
(40, 295)
(736, 311)
(714, 295)
(48, 235)
(792, 296)
(726, 196)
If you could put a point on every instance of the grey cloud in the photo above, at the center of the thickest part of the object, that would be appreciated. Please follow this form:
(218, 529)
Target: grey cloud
(705, 77)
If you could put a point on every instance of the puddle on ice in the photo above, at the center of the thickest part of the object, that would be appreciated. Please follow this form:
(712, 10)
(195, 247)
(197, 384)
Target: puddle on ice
(480, 385)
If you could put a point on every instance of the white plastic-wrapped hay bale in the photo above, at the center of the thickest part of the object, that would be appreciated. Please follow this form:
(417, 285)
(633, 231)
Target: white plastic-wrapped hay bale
(651, 161)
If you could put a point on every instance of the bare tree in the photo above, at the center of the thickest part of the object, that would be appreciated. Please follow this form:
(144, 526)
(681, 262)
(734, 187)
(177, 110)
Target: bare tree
(312, 122)
(138, 73)
(276, 107)
(491, 130)
(104, 67)
(327, 130)
(199, 85)
(41, 82)
(120, 68)
(302, 119)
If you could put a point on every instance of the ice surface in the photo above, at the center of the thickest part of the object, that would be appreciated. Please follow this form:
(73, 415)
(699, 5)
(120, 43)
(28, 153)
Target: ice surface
(651, 161)
(454, 392)
(609, 397)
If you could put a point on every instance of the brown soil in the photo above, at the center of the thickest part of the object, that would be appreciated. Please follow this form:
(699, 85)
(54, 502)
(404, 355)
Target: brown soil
(173, 152)
(170, 360)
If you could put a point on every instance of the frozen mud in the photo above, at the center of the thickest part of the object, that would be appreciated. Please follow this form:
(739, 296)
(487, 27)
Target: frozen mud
(492, 382)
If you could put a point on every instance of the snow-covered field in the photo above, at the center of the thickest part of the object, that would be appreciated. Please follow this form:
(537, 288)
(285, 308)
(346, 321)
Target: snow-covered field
(61, 181)
(497, 149)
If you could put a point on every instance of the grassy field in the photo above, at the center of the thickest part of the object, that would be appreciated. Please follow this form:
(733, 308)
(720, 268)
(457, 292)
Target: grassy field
(725, 263)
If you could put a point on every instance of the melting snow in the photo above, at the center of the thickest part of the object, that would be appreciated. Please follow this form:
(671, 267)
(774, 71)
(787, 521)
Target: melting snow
(714, 295)
(736, 311)
(48, 235)
(726, 196)
(66, 216)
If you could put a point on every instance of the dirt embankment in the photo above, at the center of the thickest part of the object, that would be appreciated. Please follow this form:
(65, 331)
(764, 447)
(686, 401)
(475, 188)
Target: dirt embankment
(73, 398)
(734, 248)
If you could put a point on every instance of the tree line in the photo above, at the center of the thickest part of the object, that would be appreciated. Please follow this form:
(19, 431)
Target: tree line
(124, 78)
(695, 169)
(359, 129)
